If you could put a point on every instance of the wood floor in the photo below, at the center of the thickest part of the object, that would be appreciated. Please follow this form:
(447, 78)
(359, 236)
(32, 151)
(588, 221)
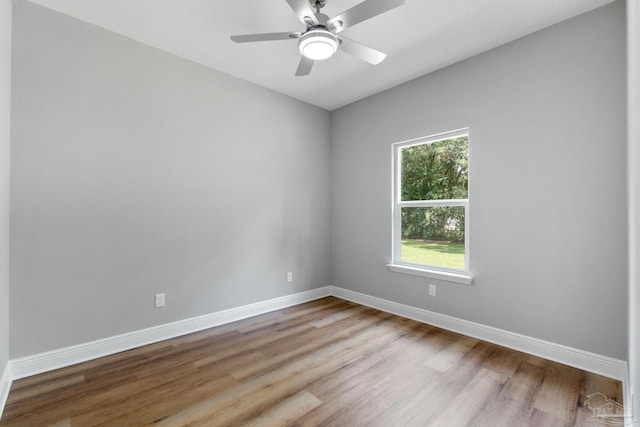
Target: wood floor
(325, 363)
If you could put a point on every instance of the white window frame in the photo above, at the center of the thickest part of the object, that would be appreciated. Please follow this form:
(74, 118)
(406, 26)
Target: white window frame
(397, 265)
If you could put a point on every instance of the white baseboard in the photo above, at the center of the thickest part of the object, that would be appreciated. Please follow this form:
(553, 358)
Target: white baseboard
(5, 386)
(43, 362)
(596, 363)
(48, 361)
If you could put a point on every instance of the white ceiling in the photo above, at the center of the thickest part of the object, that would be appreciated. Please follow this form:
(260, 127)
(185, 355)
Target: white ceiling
(419, 37)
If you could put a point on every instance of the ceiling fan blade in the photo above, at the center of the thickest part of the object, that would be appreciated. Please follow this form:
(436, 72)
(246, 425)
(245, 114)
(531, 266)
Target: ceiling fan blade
(303, 10)
(361, 12)
(304, 67)
(361, 51)
(264, 37)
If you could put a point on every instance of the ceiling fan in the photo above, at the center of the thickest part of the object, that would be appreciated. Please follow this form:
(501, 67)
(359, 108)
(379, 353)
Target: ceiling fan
(321, 38)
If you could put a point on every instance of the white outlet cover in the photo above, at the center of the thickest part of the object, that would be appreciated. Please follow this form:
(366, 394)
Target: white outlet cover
(159, 300)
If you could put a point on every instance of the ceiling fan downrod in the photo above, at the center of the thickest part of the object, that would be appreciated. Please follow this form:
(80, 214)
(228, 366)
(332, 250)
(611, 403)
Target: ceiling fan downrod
(318, 4)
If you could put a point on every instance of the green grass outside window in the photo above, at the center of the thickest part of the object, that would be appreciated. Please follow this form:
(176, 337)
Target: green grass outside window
(436, 253)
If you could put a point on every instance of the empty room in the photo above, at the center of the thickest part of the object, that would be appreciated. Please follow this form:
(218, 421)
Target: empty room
(319, 212)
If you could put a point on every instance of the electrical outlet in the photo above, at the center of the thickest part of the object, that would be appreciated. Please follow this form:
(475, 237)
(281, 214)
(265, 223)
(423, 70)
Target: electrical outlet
(432, 290)
(290, 276)
(159, 300)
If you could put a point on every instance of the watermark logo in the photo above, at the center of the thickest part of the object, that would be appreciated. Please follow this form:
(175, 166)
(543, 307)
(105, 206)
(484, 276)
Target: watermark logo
(605, 410)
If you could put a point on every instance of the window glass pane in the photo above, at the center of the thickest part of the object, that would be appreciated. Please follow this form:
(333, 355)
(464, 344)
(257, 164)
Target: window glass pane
(433, 236)
(435, 170)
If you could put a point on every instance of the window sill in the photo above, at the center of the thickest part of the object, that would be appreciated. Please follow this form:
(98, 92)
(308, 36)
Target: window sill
(448, 276)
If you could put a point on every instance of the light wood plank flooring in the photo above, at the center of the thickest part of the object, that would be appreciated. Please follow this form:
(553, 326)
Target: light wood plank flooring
(325, 363)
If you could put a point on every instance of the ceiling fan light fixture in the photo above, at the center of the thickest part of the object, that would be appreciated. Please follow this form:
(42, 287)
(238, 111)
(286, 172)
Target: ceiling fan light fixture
(318, 44)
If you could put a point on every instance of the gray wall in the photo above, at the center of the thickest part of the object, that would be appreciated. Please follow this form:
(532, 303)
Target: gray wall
(135, 172)
(547, 193)
(5, 136)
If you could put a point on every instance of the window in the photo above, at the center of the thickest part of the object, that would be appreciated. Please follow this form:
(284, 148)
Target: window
(430, 207)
